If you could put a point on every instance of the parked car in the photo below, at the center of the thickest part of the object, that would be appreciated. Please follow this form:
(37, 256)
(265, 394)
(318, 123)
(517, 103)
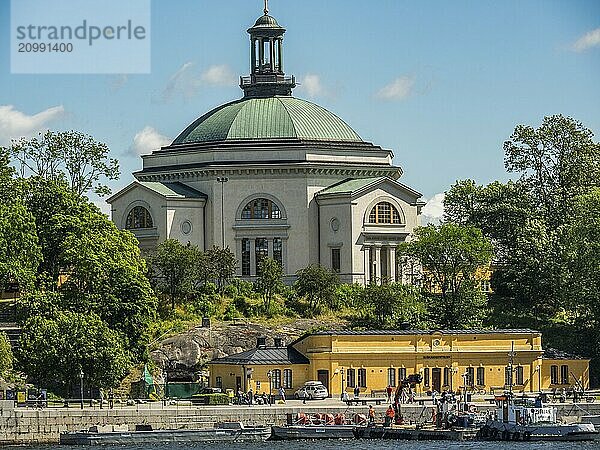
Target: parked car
(312, 390)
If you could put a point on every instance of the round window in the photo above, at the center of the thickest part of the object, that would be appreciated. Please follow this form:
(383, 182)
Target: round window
(335, 224)
(186, 227)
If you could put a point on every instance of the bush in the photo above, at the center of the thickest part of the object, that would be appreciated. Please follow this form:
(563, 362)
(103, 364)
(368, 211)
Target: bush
(211, 399)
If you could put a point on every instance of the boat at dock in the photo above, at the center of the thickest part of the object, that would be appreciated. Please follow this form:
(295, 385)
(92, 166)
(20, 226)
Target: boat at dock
(528, 419)
(144, 434)
(318, 426)
(415, 433)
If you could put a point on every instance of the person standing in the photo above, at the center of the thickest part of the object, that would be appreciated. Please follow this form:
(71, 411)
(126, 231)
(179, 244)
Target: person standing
(389, 391)
(371, 415)
(356, 392)
(250, 397)
(389, 416)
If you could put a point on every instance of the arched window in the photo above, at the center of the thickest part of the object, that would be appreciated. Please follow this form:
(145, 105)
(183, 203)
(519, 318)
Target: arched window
(384, 212)
(261, 208)
(138, 217)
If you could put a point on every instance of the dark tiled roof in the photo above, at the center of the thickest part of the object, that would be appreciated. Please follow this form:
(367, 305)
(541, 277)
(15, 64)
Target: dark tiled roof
(264, 355)
(394, 332)
(552, 353)
(408, 332)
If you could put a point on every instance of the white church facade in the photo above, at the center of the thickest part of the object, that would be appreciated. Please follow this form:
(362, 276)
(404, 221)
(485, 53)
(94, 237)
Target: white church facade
(271, 175)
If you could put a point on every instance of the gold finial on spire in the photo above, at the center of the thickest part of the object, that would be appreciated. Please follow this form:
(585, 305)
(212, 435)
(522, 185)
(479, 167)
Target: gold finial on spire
(266, 7)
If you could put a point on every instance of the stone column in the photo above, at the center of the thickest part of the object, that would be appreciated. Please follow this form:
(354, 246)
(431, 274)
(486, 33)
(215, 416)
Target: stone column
(253, 59)
(392, 263)
(280, 47)
(367, 268)
(377, 262)
(272, 52)
(252, 257)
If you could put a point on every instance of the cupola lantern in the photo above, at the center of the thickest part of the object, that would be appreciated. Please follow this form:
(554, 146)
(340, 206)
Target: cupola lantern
(266, 78)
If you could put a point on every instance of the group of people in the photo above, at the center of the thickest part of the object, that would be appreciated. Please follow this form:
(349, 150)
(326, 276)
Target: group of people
(250, 398)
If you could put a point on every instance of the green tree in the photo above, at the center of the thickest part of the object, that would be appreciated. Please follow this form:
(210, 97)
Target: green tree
(53, 351)
(393, 306)
(318, 284)
(557, 162)
(173, 266)
(223, 265)
(6, 355)
(20, 253)
(269, 281)
(70, 155)
(450, 255)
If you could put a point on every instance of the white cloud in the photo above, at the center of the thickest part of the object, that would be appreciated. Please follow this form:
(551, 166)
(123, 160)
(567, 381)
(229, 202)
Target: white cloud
(147, 140)
(15, 124)
(399, 89)
(311, 84)
(433, 211)
(186, 81)
(588, 40)
(218, 75)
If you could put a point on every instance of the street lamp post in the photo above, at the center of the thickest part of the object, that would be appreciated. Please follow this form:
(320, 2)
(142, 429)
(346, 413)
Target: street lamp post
(222, 180)
(270, 376)
(81, 386)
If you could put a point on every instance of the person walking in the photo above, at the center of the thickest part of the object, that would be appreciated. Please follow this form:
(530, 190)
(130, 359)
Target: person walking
(356, 392)
(250, 397)
(389, 391)
(371, 415)
(282, 394)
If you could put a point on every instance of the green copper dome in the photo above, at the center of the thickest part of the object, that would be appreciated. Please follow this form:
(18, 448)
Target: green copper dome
(276, 117)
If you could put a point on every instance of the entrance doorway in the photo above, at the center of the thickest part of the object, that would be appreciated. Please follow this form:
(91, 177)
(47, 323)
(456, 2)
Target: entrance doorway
(323, 377)
(238, 384)
(436, 379)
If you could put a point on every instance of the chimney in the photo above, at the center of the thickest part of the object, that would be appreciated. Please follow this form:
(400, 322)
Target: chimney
(261, 341)
(278, 342)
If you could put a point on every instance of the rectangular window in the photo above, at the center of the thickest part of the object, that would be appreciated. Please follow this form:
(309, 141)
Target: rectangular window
(447, 376)
(246, 257)
(564, 374)
(351, 377)
(481, 376)
(519, 375)
(553, 374)
(507, 376)
(276, 378)
(401, 374)
(287, 378)
(335, 260)
(362, 378)
(470, 376)
(261, 250)
(219, 382)
(426, 376)
(278, 250)
(392, 377)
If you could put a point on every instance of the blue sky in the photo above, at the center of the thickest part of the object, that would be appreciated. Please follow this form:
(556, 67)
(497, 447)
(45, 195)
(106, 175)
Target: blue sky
(441, 83)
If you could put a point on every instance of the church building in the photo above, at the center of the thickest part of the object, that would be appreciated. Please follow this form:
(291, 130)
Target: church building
(272, 175)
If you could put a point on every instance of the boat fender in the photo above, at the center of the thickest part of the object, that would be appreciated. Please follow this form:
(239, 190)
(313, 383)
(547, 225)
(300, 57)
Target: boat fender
(527, 436)
(516, 436)
(472, 408)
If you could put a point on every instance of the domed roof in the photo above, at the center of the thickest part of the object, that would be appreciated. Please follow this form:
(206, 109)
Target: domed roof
(266, 21)
(268, 118)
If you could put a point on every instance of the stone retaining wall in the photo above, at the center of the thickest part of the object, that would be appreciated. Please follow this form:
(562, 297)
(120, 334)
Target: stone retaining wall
(33, 426)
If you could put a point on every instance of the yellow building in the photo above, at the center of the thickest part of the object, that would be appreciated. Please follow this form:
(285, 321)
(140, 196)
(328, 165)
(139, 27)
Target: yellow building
(372, 360)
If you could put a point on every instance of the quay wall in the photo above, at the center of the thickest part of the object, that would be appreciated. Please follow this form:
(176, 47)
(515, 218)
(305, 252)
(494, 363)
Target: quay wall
(37, 426)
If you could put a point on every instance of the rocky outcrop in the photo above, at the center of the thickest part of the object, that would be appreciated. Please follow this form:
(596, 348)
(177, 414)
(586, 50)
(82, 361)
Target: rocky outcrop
(185, 354)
